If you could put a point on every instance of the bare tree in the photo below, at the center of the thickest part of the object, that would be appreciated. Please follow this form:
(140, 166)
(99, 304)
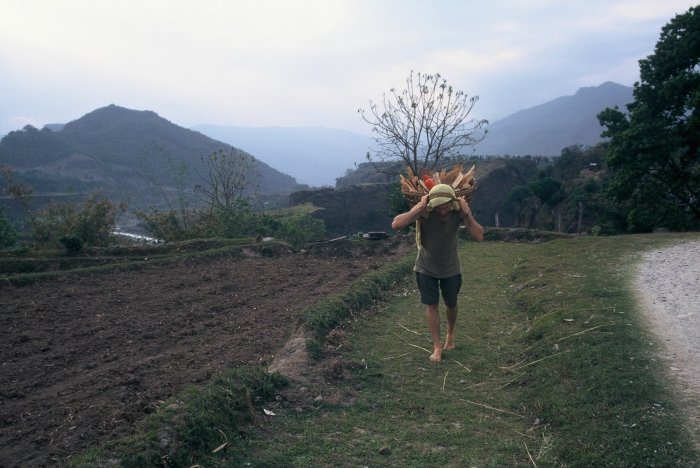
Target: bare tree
(424, 123)
(227, 180)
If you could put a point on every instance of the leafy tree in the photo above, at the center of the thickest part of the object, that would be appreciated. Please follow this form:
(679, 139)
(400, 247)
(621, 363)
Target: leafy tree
(574, 158)
(92, 223)
(517, 203)
(517, 195)
(566, 193)
(655, 148)
(226, 180)
(8, 234)
(96, 220)
(16, 189)
(546, 188)
(397, 202)
(424, 123)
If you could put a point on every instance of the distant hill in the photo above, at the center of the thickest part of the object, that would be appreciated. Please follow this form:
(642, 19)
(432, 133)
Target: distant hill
(133, 155)
(546, 129)
(313, 155)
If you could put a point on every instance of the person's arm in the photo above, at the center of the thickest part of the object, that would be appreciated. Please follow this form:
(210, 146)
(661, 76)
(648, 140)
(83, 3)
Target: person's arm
(405, 219)
(475, 229)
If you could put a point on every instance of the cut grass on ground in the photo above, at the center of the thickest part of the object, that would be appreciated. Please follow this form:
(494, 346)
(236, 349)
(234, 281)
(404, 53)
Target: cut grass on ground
(553, 367)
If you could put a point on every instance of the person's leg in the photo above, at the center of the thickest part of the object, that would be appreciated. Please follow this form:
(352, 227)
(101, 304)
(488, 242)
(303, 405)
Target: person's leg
(430, 297)
(432, 315)
(451, 313)
(450, 288)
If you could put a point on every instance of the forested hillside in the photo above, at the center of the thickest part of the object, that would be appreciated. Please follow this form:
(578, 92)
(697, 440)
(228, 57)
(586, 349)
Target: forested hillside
(134, 156)
(547, 129)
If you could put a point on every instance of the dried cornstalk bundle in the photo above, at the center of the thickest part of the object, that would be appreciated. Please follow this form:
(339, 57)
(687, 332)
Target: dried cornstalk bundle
(414, 187)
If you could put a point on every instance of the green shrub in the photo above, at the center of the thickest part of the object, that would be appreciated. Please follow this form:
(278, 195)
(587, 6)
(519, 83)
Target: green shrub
(73, 243)
(8, 234)
(173, 225)
(298, 229)
(93, 222)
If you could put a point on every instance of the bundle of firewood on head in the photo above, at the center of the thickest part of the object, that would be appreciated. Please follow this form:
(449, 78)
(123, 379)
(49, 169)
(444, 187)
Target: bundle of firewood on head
(415, 187)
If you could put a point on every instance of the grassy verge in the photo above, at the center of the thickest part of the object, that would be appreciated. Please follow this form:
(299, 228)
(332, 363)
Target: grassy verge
(553, 367)
(194, 426)
(324, 316)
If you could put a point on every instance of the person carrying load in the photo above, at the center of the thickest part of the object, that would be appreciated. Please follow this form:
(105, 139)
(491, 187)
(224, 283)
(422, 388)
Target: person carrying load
(438, 216)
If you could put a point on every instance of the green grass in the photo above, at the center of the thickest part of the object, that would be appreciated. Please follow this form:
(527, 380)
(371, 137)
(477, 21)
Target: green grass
(324, 316)
(189, 427)
(553, 367)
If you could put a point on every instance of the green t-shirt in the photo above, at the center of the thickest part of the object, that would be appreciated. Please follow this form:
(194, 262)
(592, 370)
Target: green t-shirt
(438, 255)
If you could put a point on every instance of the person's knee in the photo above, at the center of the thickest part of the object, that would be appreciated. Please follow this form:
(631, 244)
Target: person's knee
(450, 297)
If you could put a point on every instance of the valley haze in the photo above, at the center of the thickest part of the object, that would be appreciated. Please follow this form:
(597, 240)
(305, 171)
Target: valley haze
(317, 156)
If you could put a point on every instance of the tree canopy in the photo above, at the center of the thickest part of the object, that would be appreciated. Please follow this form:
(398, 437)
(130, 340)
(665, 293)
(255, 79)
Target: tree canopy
(655, 147)
(424, 123)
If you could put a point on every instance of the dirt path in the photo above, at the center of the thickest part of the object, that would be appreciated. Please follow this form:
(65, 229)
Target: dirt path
(668, 283)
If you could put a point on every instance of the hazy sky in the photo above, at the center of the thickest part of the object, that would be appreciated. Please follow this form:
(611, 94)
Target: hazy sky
(308, 63)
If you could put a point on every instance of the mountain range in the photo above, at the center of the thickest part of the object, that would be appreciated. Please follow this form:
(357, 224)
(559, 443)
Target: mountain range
(546, 129)
(318, 156)
(138, 156)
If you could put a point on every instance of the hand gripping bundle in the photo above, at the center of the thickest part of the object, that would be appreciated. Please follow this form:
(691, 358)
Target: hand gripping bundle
(414, 187)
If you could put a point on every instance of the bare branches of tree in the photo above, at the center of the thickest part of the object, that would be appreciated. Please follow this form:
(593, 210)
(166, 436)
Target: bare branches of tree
(228, 175)
(424, 123)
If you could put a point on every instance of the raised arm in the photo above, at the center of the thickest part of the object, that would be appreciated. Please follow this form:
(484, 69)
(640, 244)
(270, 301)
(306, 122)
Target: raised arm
(475, 229)
(405, 219)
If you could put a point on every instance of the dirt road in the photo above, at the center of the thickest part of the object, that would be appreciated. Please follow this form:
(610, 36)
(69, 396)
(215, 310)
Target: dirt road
(668, 283)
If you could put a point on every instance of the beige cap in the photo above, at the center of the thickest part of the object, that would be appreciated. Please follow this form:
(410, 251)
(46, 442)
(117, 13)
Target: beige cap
(441, 194)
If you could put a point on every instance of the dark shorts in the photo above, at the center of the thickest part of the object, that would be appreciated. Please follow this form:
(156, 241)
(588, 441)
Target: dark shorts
(430, 289)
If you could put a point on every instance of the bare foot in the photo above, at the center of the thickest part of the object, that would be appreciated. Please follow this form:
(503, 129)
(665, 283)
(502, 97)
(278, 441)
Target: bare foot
(449, 343)
(437, 355)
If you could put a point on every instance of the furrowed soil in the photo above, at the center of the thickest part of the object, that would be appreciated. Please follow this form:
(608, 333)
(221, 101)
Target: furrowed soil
(85, 357)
